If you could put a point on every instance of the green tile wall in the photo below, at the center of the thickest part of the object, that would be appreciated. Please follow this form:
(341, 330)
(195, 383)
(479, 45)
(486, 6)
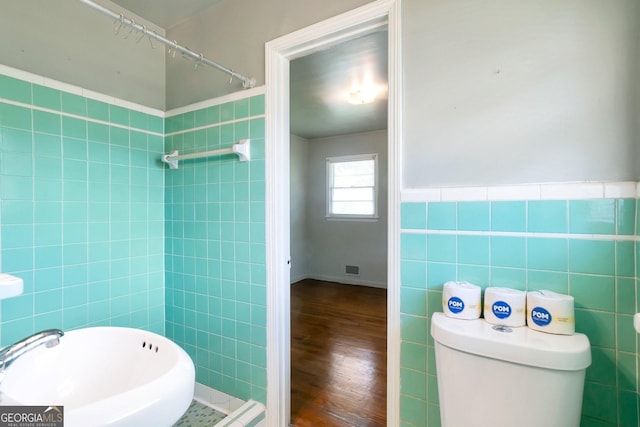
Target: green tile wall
(590, 253)
(82, 221)
(215, 247)
(81, 212)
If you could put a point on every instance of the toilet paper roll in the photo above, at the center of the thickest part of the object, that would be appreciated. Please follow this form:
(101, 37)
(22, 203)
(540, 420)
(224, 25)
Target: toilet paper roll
(461, 300)
(551, 312)
(505, 306)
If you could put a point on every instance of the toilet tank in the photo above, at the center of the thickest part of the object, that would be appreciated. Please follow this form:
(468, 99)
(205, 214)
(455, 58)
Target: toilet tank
(505, 378)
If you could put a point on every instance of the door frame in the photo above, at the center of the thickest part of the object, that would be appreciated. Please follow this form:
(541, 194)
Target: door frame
(279, 53)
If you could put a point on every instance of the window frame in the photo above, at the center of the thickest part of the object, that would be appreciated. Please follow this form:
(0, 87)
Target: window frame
(329, 187)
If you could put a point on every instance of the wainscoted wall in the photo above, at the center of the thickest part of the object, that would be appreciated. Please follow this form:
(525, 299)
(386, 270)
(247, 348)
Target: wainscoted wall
(576, 241)
(81, 209)
(215, 246)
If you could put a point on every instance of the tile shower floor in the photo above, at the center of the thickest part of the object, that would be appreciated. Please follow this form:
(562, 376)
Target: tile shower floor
(199, 415)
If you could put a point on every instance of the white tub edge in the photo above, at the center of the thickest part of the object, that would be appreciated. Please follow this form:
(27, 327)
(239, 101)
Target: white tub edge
(239, 413)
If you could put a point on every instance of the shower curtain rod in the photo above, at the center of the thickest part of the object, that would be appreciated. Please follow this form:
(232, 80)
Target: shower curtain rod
(247, 82)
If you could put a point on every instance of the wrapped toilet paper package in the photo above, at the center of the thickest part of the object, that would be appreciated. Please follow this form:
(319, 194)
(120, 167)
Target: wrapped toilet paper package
(551, 312)
(461, 300)
(504, 306)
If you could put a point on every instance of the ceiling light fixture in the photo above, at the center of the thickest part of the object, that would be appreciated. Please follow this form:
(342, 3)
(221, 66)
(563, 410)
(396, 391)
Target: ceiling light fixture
(363, 93)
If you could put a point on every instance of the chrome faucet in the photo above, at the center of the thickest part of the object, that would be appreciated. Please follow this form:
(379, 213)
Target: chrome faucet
(48, 338)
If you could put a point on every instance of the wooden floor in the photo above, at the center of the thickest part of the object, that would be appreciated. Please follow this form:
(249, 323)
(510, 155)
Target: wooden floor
(338, 355)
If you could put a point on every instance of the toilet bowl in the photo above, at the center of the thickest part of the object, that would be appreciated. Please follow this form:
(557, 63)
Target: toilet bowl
(503, 377)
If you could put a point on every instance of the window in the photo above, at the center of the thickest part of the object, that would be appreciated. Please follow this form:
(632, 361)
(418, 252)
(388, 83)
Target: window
(352, 186)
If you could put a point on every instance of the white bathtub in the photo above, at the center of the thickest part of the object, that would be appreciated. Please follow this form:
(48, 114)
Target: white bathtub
(105, 376)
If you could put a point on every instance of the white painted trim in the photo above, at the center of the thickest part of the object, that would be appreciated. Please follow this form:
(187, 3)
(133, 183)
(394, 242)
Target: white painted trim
(546, 191)
(277, 220)
(278, 53)
(394, 161)
(235, 96)
(76, 90)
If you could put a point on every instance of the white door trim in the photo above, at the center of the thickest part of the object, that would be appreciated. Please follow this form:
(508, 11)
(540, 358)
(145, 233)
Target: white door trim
(279, 53)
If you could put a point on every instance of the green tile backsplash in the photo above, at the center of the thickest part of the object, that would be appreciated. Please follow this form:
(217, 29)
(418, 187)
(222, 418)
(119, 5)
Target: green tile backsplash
(587, 249)
(215, 247)
(81, 212)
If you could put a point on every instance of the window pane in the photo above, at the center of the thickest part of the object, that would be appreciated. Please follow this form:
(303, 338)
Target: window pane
(352, 187)
(352, 194)
(359, 167)
(352, 208)
(354, 181)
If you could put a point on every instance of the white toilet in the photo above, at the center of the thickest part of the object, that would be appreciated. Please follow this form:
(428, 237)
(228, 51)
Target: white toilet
(505, 378)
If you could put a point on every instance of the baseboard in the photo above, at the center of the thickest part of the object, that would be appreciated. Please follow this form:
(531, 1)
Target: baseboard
(298, 278)
(343, 279)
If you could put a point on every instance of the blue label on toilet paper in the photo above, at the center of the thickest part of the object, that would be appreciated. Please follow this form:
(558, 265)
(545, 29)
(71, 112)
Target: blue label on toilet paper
(455, 305)
(501, 309)
(540, 316)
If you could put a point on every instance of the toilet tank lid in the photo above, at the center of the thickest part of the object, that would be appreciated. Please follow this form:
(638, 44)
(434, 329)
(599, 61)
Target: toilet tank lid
(522, 345)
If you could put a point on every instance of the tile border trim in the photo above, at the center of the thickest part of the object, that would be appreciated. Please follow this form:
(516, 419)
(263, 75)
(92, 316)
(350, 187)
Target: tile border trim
(214, 125)
(219, 100)
(79, 117)
(77, 90)
(544, 191)
(97, 96)
(525, 234)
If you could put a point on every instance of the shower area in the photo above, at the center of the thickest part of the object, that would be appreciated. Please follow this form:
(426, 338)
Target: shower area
(98, 222)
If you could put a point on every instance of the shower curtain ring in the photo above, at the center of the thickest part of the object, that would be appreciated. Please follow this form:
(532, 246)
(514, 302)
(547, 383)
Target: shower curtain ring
(143, 32)
(132, 27)
(198, 61)
(172, 51)
(119, 21)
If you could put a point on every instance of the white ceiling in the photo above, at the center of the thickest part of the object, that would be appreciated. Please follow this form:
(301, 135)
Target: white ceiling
(319, 82)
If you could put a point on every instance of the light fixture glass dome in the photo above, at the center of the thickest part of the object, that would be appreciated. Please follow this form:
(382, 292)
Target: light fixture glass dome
(364, 94)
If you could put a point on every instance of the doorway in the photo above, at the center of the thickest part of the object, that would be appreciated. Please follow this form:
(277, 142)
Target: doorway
(279, 53)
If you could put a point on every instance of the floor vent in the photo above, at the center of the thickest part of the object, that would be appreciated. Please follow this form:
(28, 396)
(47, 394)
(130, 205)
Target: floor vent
(352, 270)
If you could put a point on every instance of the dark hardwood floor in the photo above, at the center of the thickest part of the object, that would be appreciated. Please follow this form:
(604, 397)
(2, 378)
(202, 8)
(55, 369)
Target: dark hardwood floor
(338, 355)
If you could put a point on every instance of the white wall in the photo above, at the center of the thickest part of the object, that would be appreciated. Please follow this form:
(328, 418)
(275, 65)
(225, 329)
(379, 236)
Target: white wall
(496, 91)
(501, 92)
(72, 43)
(333, 244)
(233, 33)
(299, 162)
